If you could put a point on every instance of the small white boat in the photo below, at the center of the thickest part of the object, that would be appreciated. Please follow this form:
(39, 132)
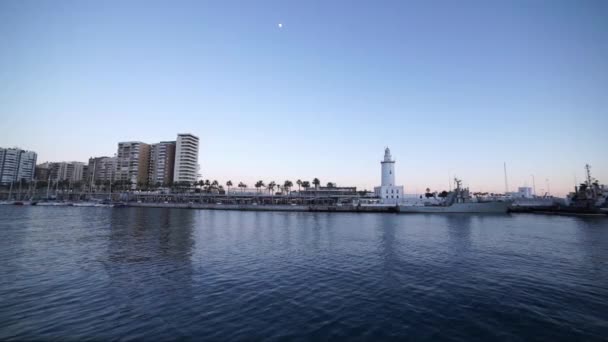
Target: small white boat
(85, 204)
(104, 205)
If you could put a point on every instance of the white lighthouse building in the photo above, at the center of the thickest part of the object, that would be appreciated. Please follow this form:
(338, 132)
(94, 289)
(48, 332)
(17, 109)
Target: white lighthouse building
(387, 191)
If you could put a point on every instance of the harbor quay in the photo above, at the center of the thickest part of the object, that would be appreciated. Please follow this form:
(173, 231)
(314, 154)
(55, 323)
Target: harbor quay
(231, 201)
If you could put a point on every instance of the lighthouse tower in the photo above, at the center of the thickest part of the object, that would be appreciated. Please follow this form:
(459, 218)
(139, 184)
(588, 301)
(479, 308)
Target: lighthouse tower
(388, 192)
(388, 169)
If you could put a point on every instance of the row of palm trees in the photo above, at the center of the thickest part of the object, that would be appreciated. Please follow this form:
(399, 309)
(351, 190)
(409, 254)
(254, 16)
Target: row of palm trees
(272, 185)
(199, 186)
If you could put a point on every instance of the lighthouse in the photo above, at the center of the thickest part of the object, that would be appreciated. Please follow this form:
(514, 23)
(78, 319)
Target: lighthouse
(388, 169)
(388, 192)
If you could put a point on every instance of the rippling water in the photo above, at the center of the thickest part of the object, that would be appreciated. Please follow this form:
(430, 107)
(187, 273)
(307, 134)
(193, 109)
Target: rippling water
(136, 273)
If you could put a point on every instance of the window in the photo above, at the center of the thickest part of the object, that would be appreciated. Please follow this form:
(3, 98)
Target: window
(391, 191)
(390, 172)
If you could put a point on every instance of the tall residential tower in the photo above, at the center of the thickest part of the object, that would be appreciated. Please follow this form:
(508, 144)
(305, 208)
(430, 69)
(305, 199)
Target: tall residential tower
(186, 158)
(162, 163)
(16, 165)
(132, 162)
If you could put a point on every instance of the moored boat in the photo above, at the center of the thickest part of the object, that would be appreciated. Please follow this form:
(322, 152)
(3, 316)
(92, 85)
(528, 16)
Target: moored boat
(458, 201)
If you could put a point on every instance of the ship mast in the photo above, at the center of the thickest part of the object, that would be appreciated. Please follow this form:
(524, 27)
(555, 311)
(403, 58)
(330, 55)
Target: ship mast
(590, 186)
(588, 171)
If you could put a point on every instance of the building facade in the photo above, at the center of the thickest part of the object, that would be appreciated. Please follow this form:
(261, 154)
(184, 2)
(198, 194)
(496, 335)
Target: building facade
(101, 170)
(186, 158)
(17, 164)
(132, 162)
(161, 163)
(67, 171)
(330, 191)
(43, 172)
(388, 191)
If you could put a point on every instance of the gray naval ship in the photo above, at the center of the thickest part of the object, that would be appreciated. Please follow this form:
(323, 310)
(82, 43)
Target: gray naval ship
(458, 201)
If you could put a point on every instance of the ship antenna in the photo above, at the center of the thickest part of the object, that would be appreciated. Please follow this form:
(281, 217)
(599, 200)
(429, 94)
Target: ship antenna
(588, 169)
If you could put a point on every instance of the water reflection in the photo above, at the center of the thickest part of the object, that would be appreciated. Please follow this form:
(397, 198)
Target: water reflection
(388, 247)
(592, 232)
(170, 274)
(459, 230)
(147, 234)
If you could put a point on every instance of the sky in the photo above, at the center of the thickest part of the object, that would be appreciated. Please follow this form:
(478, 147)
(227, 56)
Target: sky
(454, 88)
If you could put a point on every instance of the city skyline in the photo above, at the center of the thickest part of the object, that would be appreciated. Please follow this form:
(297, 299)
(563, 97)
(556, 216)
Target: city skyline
(452, 89)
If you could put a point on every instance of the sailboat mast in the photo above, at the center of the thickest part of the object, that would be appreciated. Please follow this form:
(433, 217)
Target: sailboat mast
(506, 183)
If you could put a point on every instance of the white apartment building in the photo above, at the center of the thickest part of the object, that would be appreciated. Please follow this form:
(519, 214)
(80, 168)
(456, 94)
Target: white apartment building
(16, 164)
(186, 158)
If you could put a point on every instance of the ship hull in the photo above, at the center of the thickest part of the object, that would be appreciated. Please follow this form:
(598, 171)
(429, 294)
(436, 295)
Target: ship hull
(476, 207)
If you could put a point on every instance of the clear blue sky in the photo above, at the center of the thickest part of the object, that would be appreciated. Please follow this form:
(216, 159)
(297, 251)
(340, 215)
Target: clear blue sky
(453, 87)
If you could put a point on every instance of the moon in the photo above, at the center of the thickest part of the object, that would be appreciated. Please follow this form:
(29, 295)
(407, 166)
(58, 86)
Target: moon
(280, 25)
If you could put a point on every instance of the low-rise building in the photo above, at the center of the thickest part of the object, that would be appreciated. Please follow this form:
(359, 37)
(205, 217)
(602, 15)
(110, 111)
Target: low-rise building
(330, 191)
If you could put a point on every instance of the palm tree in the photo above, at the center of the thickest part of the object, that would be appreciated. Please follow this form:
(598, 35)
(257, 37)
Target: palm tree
(299, 182)
(287, 185)
(306, 185)
(331, 185)
(207, 185)
(259, 184)
(316, 182)
(271, 186)
(229, 184)
(242, 186)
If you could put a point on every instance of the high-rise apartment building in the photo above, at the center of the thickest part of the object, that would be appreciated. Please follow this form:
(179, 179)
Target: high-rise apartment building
(132, 162)
(67, 171)
(101, 169)
(186, 158)
(16, 164)
(162, 162)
